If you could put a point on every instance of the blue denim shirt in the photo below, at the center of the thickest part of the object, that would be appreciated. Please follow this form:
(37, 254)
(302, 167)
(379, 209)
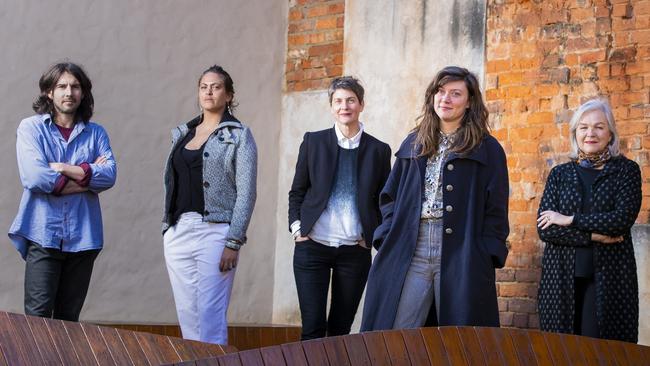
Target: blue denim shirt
(70, 222)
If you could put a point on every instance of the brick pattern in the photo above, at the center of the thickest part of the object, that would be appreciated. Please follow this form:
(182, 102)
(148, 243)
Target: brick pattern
(543, 59)
(315, 44)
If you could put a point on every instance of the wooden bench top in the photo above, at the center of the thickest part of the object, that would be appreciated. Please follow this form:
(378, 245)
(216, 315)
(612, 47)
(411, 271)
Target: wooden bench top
(28, 340)
(442, 346)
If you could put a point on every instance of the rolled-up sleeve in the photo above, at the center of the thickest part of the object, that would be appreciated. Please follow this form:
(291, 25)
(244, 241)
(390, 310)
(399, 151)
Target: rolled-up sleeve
(33, 166)
(103, 175)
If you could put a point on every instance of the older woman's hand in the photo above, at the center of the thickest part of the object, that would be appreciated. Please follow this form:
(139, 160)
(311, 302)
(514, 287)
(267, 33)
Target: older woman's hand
(228, 259)
(548, 218)
(606, 239)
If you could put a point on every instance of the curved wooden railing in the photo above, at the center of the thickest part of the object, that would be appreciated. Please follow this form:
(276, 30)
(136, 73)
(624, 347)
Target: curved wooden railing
(28, 340)
(443, 346)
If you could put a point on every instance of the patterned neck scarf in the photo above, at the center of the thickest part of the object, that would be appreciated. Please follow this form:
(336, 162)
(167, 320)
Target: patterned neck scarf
(448, 139)
(593, 160)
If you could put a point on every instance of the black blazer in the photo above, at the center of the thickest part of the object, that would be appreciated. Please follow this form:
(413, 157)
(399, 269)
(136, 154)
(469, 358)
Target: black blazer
(315, 172)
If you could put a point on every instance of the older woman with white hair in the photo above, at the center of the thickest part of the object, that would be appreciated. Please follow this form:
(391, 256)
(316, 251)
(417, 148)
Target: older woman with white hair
(589, 283)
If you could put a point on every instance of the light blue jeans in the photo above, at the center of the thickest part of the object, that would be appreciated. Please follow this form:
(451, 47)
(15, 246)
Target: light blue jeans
(422, 283)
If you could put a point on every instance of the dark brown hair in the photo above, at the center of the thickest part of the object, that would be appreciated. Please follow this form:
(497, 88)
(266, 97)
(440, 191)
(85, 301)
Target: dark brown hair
(474, 124)
(43, 104)
(227, 82)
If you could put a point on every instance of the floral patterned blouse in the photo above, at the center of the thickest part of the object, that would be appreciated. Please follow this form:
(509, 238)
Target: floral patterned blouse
(432, 205)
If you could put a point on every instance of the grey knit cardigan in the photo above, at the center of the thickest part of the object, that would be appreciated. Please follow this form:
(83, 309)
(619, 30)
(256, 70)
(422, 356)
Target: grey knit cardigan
(229, 176)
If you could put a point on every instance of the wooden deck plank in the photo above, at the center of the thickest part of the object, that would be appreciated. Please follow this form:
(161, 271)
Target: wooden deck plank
(25, 338)
(200, 349)
(453, 345)
(605, 356)
(356, 347)
(44, 340)
(231, 359)
(376, 347)
(489, 346)
(273, 356)
(415, 347)
(634, 354)
(572, 349)
(315, 353)
(506, 346)
(435, 346)
(98, 344)
(183, 349)
(251, 357)
(62, 342)
(471, 345)
(396, 347)
(556, 348)
(522, 346)
(587, 349)
(540, 348)
(11, 349)
(212, 361)
(115, 346)
(616, 348)
(133, 347)
(336, 352)
(294, 354)
(80, 343)
(157, 351)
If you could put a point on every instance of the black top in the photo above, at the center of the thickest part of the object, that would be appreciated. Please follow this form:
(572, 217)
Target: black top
(584, 266)
(188, 169)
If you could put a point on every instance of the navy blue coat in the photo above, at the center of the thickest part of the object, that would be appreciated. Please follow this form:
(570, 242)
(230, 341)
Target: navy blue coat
(474, 238)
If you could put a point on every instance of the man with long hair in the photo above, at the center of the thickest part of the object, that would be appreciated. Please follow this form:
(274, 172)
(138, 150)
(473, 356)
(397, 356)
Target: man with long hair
(64, 161)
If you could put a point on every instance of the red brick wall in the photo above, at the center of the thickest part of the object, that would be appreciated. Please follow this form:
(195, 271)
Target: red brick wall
(543, 59)
(315, 44)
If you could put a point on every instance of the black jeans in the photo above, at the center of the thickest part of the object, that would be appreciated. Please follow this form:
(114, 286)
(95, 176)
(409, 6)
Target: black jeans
(56, 282)
(313, 265)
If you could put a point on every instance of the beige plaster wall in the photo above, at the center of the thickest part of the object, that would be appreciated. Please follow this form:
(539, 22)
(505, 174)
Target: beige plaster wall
(144, 58)
(395, 48)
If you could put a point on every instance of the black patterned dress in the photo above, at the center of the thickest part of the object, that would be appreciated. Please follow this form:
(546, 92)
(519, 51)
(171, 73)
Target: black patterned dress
(616, 203)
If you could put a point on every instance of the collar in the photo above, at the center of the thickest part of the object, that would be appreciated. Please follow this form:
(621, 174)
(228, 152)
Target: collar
(48, 120)
(410, 150)
(227, 120)
(348, 143)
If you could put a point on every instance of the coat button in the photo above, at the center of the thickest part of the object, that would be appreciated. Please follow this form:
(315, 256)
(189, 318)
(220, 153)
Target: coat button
(449, 188)
(206, 154)
(448, 230)
(206, 213)
(450, 166)
(206, 184)
(449, 208)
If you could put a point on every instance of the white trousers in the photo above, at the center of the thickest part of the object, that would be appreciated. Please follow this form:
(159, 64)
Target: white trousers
(193, 251)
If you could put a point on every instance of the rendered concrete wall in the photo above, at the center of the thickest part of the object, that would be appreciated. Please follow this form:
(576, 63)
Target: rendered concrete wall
(395, 48)
(144, 58)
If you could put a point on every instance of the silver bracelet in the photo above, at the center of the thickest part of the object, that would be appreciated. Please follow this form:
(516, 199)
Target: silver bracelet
(233, 245)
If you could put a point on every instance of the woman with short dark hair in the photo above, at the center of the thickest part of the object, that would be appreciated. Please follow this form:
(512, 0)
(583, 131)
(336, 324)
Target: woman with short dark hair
(210, 192)
(445, 216)
(589, 283)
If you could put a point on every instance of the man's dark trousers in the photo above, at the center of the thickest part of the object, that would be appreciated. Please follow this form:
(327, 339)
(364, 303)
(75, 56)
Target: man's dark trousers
(56, 282)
